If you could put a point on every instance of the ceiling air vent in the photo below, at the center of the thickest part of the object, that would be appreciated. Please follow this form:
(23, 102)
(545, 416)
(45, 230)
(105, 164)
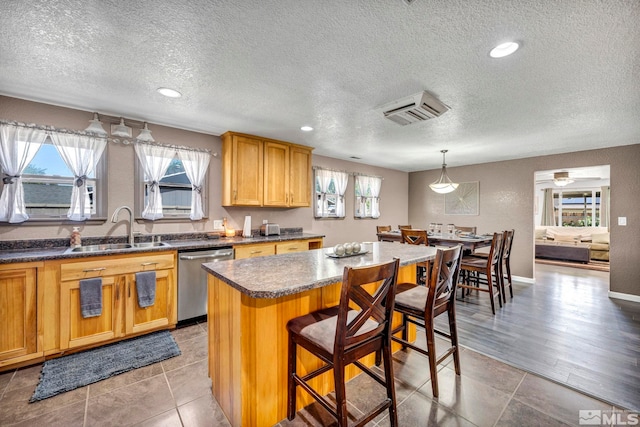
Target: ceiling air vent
(417, 108)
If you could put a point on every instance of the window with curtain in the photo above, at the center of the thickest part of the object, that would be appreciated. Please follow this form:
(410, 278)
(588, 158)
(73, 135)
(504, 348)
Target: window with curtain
(330, 187)
(367, 192)
(62, 175)
(172, 182)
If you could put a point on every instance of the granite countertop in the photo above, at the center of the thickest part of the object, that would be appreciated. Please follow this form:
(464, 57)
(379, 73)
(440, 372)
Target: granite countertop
(288, 274)
(16, 255)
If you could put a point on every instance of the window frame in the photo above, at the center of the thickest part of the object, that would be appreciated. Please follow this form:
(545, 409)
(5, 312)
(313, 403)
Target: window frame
(317, 198)
(368, 214)
(100, 192)
(141, 188)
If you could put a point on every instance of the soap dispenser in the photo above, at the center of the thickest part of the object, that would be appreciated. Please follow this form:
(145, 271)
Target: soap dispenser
(76, 240)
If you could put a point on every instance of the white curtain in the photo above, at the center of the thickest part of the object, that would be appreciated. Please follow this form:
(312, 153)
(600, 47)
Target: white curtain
(81, 154)
(375, 184)
(155, 160)
(362, 182)
(605, 199)
(548, 217)
(323, 178)
(18, 146)
(195, 165)
(340, 179)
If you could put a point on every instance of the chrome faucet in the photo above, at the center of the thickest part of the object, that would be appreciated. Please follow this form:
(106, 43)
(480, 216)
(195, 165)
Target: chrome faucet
(114, 218)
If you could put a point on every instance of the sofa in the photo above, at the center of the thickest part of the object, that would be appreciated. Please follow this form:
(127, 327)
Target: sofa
(596, 237)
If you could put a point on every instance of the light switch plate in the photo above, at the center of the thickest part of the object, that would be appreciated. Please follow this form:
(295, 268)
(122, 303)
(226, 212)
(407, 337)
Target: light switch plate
(622, 220)
(217, 224)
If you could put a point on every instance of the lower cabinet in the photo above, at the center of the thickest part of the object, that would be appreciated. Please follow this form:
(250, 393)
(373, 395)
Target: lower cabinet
(18, 313)
(121, 314)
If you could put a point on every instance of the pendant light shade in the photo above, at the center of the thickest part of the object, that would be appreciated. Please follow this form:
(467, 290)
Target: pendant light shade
(95, 126)
(121, 130)
(444, 184)
(145, 134)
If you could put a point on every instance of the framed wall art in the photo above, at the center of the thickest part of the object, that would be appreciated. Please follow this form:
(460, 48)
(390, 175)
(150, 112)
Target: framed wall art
(464, 200)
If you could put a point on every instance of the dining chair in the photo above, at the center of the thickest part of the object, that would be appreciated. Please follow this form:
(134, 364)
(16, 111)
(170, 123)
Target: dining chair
(505, 264)
(343, 334)
(414, 236)
(420, 305)
(382, 228)
(400, 227)
(473, 267)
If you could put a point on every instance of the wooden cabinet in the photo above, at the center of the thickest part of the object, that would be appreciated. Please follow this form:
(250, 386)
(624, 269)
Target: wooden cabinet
(121, 315)
(18, 313)
(264, 172)
(275, 248)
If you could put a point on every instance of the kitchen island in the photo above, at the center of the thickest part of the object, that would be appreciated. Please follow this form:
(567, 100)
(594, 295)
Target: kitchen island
(250, 302)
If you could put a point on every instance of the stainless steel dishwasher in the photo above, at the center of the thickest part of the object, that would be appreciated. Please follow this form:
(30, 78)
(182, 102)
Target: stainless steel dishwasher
(192, 281)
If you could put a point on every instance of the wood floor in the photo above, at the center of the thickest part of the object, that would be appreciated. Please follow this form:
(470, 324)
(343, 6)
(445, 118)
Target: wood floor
(564, 328)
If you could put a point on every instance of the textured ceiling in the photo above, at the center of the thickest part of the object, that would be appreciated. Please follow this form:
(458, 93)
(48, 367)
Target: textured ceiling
(269, 67)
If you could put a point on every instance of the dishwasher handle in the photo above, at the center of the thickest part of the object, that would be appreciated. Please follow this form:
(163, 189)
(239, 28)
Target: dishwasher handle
(210, 256)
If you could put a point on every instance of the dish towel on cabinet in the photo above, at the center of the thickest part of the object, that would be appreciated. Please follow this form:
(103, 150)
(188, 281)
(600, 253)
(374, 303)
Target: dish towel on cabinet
(91, 297)
(146, 288)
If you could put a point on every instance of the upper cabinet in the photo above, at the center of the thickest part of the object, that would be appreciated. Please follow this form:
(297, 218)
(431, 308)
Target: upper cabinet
(264, 172)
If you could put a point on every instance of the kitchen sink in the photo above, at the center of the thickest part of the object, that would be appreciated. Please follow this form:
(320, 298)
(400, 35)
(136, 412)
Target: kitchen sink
(116, 246)
(100, 248)
(150, 244)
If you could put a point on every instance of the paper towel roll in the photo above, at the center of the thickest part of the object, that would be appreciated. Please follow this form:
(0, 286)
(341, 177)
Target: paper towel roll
(246, 231)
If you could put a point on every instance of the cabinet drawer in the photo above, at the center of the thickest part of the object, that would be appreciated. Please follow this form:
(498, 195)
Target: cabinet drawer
(252, 251)
(112, 265)
(295, 246)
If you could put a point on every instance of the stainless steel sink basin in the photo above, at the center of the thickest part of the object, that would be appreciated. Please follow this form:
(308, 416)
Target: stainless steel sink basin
(100, 248)
(116, 246)
(149, 244)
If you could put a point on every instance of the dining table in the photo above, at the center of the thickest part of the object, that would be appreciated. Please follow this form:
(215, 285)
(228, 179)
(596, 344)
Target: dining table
(469, 242)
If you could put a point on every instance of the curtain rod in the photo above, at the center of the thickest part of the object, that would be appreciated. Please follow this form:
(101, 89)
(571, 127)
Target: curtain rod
(329, 169)
(50, 129)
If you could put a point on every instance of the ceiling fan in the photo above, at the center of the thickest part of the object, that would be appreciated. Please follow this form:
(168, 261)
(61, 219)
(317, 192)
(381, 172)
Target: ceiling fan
(562, 179)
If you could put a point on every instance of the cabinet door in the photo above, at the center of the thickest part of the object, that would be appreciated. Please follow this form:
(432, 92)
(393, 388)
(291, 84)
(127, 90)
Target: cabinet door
(246, 171)
(300, 177)
(252, 251)
(77, 331)
(276, 174)
(18, 327)
(161, 313)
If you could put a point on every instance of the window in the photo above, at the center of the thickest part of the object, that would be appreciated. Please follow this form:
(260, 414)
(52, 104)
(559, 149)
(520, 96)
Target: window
(367, 192)
(577, 208)
(172, 182)
(330, 187)
(48, 184)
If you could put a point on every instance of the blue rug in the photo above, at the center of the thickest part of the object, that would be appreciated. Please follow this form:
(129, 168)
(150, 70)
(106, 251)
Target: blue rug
(80, 369)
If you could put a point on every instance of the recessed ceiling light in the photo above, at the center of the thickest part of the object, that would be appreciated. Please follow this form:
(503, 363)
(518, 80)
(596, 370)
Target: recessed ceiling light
(171, 93)
(504, 49)
(306, 128)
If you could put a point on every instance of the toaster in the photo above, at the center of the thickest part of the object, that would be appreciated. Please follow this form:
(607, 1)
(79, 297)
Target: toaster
(269, 230)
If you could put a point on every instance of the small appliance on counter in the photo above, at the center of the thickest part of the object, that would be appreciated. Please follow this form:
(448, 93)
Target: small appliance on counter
(269, 230)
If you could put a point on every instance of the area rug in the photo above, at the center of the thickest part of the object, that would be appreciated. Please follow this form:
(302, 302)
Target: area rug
(80, 369)
(591, 265)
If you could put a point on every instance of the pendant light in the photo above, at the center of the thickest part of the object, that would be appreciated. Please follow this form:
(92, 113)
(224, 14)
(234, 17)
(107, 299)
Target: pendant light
(95, 126)
(444, 184)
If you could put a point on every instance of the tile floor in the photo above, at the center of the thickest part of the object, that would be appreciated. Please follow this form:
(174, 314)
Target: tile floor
(177, 392)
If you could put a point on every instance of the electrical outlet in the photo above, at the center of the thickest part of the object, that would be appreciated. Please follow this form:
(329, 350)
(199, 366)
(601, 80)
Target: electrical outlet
(217, 224)
(265, 221)
(622, 220)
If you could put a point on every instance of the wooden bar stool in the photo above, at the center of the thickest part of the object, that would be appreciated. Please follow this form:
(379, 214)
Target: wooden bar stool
(474, 266)
(382, 228)
(414, 236)
(339, 336)
(401, 227)
(421, 304)
(505, 264)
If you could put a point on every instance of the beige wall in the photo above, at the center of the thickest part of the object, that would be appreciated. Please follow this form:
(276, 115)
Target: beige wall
(507, 201)
(121, 160)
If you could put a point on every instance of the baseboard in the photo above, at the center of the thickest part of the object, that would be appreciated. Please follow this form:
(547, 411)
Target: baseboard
(529, 280)
(626, 297)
